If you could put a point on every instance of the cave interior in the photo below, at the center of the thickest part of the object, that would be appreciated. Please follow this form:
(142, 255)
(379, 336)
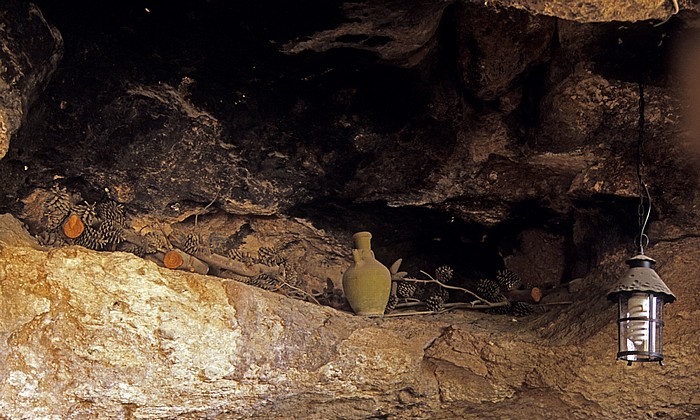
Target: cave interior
(463, 134)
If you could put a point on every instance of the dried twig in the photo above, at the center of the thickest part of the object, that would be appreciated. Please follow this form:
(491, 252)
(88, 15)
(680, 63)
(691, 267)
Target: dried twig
(188, 262)
(446, 286)
(529, 295)
(407, 314)
(466, 305)
(447, 307)
(412, 303)
(242, 269)
(304, 292)
(206, 207)
(225, 263)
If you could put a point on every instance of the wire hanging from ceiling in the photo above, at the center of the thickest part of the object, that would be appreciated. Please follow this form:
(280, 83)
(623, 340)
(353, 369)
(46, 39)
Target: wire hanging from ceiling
(644, 208)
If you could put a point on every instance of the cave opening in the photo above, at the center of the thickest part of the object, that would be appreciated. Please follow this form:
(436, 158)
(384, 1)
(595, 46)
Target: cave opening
(344, 138)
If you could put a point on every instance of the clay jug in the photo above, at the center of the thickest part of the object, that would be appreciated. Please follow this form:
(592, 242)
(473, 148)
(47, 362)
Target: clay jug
(367, 283)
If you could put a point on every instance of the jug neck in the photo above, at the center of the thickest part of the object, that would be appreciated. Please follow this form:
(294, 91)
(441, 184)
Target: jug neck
(362, 240)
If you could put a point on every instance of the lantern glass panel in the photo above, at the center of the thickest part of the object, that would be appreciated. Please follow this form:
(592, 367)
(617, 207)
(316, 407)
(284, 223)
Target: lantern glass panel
(640, 328)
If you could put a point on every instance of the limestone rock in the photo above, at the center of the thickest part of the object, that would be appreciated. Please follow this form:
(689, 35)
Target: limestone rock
(30, 49)
(601, 10)
(108, 334)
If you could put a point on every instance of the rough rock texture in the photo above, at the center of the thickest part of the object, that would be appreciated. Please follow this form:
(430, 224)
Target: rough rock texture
(108, 334)
(539, 258)
(492, 57)
(401, 32)
(180, 159)
(467, 134)
(30, 49)
(601, 10)
(506, 111)
(398, 32)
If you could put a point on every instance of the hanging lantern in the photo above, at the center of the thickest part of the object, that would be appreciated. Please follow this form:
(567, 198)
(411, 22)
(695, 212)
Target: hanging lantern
(640, 297)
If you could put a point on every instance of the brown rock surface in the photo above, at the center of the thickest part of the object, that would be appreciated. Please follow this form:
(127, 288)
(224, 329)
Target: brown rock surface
(402, 32)
(111, 335)
(601, 10)
(473, 134)
(30, 49)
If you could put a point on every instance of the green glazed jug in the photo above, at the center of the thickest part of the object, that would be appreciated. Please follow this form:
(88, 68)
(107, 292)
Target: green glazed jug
(367, 283)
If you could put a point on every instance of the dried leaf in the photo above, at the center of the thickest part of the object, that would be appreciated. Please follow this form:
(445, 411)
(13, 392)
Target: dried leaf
(395, 266)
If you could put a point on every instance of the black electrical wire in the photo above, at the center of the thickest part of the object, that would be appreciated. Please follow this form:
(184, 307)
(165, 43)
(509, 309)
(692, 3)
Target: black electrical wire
(644, 209)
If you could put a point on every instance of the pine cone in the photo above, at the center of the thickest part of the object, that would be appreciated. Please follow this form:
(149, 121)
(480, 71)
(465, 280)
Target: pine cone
(391, 304)
(59, 199)
(508, 280)
(132, 248)
(264, 281)
(87, 213)
(91, 238)
(238, 255)
(521, 309)
(269, 256)
(444, 274)
(112, 234)
(489, 290)
(435, 302)
(112, 211)
(405, 289)
(154, 241)
(51, 238)
(58, 206)
(191, 245)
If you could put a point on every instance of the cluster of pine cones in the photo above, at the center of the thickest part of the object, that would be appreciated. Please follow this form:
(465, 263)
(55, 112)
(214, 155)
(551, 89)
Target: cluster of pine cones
(495, 291)
(102, 224)
(434, 296)
(270, 257)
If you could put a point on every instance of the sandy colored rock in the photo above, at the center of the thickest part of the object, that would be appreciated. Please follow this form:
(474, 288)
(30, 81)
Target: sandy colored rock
(109, 334)
(600, 10)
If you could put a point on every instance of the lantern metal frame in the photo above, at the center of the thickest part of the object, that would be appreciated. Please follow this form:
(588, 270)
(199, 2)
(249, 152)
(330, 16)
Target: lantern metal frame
(641, 294)
(640, 297)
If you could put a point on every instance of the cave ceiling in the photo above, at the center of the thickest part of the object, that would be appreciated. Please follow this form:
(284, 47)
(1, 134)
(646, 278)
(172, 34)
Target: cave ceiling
(502, 115)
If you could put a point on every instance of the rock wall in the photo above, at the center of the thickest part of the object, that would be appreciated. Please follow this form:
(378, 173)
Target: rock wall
(30, 49)
(468, 133)
(88, 334)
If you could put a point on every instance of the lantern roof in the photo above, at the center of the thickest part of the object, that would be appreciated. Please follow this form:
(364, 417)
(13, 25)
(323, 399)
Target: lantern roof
(641, 278)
